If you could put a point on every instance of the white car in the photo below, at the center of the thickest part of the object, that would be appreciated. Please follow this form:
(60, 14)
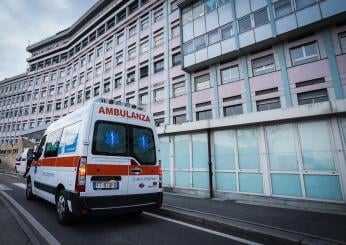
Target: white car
(22, 161)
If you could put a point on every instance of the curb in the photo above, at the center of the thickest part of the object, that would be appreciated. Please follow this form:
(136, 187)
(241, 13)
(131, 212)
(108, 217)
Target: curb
(248, 230)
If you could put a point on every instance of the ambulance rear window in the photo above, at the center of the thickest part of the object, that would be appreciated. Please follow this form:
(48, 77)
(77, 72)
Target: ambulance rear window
(117, 139)
(109, 139)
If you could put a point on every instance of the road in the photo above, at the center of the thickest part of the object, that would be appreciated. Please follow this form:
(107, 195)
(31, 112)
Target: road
(147, 228)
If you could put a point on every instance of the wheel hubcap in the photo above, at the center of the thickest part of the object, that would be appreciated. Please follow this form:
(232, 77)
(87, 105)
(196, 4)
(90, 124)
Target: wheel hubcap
(28, 188)
(61, 206)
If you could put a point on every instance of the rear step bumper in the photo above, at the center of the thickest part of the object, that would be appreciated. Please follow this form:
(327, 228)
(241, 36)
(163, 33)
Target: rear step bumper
(82, 205)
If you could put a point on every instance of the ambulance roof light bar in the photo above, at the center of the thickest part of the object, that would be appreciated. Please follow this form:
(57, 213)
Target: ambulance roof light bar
(112, 102)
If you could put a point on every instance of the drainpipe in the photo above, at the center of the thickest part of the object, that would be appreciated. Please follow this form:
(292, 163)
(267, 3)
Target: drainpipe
(211, 192)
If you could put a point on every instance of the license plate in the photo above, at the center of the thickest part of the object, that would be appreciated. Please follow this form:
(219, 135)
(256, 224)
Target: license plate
(101, 185)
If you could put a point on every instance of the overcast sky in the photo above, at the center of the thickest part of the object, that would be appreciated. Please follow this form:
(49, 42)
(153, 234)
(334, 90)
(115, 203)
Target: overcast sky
(24, 21)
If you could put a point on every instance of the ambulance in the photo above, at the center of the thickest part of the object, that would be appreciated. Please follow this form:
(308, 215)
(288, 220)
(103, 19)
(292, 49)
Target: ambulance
(99, 159)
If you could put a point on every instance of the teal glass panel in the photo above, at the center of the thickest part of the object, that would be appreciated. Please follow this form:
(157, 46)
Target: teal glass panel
(181, 152)
(248, 149)
(281, 147)
(164, 151)
(224, 144)
(286, 184)
(200, 180)
(323, 187)
(199, 151)
(226, 181)
(166, 180)
(250, 182)
(182, 178)
(316, 147)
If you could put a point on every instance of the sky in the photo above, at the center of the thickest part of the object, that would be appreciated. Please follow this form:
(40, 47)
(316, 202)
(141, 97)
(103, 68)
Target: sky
(29, 21)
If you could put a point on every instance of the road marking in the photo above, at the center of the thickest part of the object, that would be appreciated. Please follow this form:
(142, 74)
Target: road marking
(20, 185)
(12, 175)
(4, 188)
(39, 228)
(234, 238)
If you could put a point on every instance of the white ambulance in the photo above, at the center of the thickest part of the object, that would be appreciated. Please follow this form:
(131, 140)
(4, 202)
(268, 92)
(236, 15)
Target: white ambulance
(101, 158)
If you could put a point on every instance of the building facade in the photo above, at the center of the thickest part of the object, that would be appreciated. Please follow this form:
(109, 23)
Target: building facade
(248, 95)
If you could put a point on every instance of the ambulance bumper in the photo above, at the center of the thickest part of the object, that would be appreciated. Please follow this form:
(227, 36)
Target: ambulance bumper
(84, 205)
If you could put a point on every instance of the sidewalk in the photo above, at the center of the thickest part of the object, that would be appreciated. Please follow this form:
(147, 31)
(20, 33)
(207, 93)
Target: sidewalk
(276, 224)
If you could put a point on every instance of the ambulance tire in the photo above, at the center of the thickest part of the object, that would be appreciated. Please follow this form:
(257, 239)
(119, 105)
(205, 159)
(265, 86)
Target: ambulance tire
(28, 192)
(63, 214)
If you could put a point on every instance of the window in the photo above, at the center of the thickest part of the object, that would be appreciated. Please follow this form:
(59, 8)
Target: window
(202, 82)
(131, 77)
(132, 53)
(120, 38)
(60, 88)
(158, 15)
(82, 62)
(226, 31)
(210, 5)
(52, 143)
(159, 94)
(108, 65)
(187, 15)
(89, 75)
(203, 115)
(312, 97)
(198, 9)
(230, 74)
(132, 31)
(158, 39)
(98, 70)
(174, 6)
(106, 87)
(232, 110)
(117, 82)
(90, 57)
(179, 119)
(143, 99)
(244, 23)
(342, 39)
(282, 8)
(304, 3)
(268, 104)
(49, 106)
(178, 89)
(200, 42)
(130, 100)
(111, 139)
(176, 59)
(57, 105)
(109, 45)
(159, 122)
(143, 71)
(304, 54)
(310, 82)
(188, 47)
(87, 94)
(99, 52)
(133, 6)
(119, 59)
(263, 65)
(72, 100)
(175, 31)
(213, 37)
(144, 24)
(66, 103)
(223, 2)
(261, 17)
(144, 47)
(121, 15)
(158, 66)
(79, 97)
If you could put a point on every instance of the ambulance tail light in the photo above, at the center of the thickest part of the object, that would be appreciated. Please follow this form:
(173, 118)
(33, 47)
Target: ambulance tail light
(160, 178)
(81, 175)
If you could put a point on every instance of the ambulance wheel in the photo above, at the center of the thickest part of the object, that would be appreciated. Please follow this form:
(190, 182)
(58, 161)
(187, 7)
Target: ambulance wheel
(28, 193)
(63, 214)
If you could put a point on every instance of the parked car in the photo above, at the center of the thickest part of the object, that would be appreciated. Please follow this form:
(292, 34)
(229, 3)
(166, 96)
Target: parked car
(21, 162)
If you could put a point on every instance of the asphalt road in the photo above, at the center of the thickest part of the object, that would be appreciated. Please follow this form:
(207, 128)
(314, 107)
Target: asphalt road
(144, 229)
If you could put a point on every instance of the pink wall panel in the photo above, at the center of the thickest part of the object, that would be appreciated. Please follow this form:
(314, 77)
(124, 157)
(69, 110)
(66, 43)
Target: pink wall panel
(269, 80)
(231, 89)
(309, 71)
